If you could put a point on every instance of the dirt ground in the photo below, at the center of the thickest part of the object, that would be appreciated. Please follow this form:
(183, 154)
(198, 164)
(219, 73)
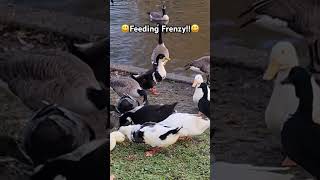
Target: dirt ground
(240, 99)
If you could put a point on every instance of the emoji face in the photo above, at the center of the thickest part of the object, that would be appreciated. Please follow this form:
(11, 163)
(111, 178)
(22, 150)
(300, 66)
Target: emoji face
(125, 28)
(195, 28)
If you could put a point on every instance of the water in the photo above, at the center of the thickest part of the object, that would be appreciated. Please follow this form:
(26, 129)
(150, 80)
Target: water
(92, 9)
(226, 29)
(136, 48)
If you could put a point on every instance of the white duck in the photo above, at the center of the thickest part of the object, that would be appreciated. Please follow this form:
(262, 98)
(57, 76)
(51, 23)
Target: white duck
(198, 93)
(154, 134)
(116, 137)
(192, 124)
(283, 101)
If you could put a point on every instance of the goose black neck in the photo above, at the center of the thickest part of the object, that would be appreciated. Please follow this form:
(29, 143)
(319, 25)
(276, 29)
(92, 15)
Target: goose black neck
(163, 11)
(98, 97)
(160, 34)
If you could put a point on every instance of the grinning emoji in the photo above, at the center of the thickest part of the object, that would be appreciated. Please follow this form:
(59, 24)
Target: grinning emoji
(195, 28)
(125, 28)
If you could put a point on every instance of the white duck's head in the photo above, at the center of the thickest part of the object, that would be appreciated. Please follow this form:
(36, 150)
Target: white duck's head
(197, 80)
(283, 57)
(118, 136)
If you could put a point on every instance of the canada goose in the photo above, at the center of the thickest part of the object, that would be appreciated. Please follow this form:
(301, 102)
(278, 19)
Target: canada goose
(147, 113)
(54, 131)
(283, 101)
(95, 54)
(201, 65)
(149, 79)
(300, 134)
(198, 92)
(160, 48)
(153, 134)
(126, 103)
(54, 76)
(89, 161)
(128, 86)
(116, 137)
(204, 103)
(293, 17)
(159, 16)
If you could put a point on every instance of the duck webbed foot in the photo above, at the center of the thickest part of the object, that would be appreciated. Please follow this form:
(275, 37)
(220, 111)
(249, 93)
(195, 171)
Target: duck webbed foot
(154, 91)
(287, 162)
(152, 151)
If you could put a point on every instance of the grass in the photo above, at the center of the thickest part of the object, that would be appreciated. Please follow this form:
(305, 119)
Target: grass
(183, 160)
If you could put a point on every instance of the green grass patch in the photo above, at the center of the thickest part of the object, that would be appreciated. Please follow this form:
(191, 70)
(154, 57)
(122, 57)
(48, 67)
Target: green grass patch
(183, 160)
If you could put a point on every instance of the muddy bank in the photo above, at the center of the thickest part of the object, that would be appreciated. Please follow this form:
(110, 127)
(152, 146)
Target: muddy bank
(241, 136)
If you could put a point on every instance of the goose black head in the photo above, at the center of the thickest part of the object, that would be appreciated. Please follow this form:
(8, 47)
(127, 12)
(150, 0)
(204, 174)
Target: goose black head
(126, 103)
(163, 10)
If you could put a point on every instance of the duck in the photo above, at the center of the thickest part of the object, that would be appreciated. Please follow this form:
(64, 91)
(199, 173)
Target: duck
(53, 131)
(159, 49)
(95, 55)
(159, 16)
(204, 103)
(147, 113)
(149, 79)
(57, 77)
(299, 133)
(126, 103)
(283, 102)
(294, 18)
(200, 65)
(124, 85)
(191, 124)
(154, 134)
(198, 92)
(87, 161)
(116, 137)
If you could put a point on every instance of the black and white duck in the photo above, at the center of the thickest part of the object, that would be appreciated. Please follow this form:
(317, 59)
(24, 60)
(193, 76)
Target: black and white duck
(198, 92)
(192, 124)
(204, 103)
(151, 133)
(147, 113)
(54, 131)
(149, 79)
(299, 134)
